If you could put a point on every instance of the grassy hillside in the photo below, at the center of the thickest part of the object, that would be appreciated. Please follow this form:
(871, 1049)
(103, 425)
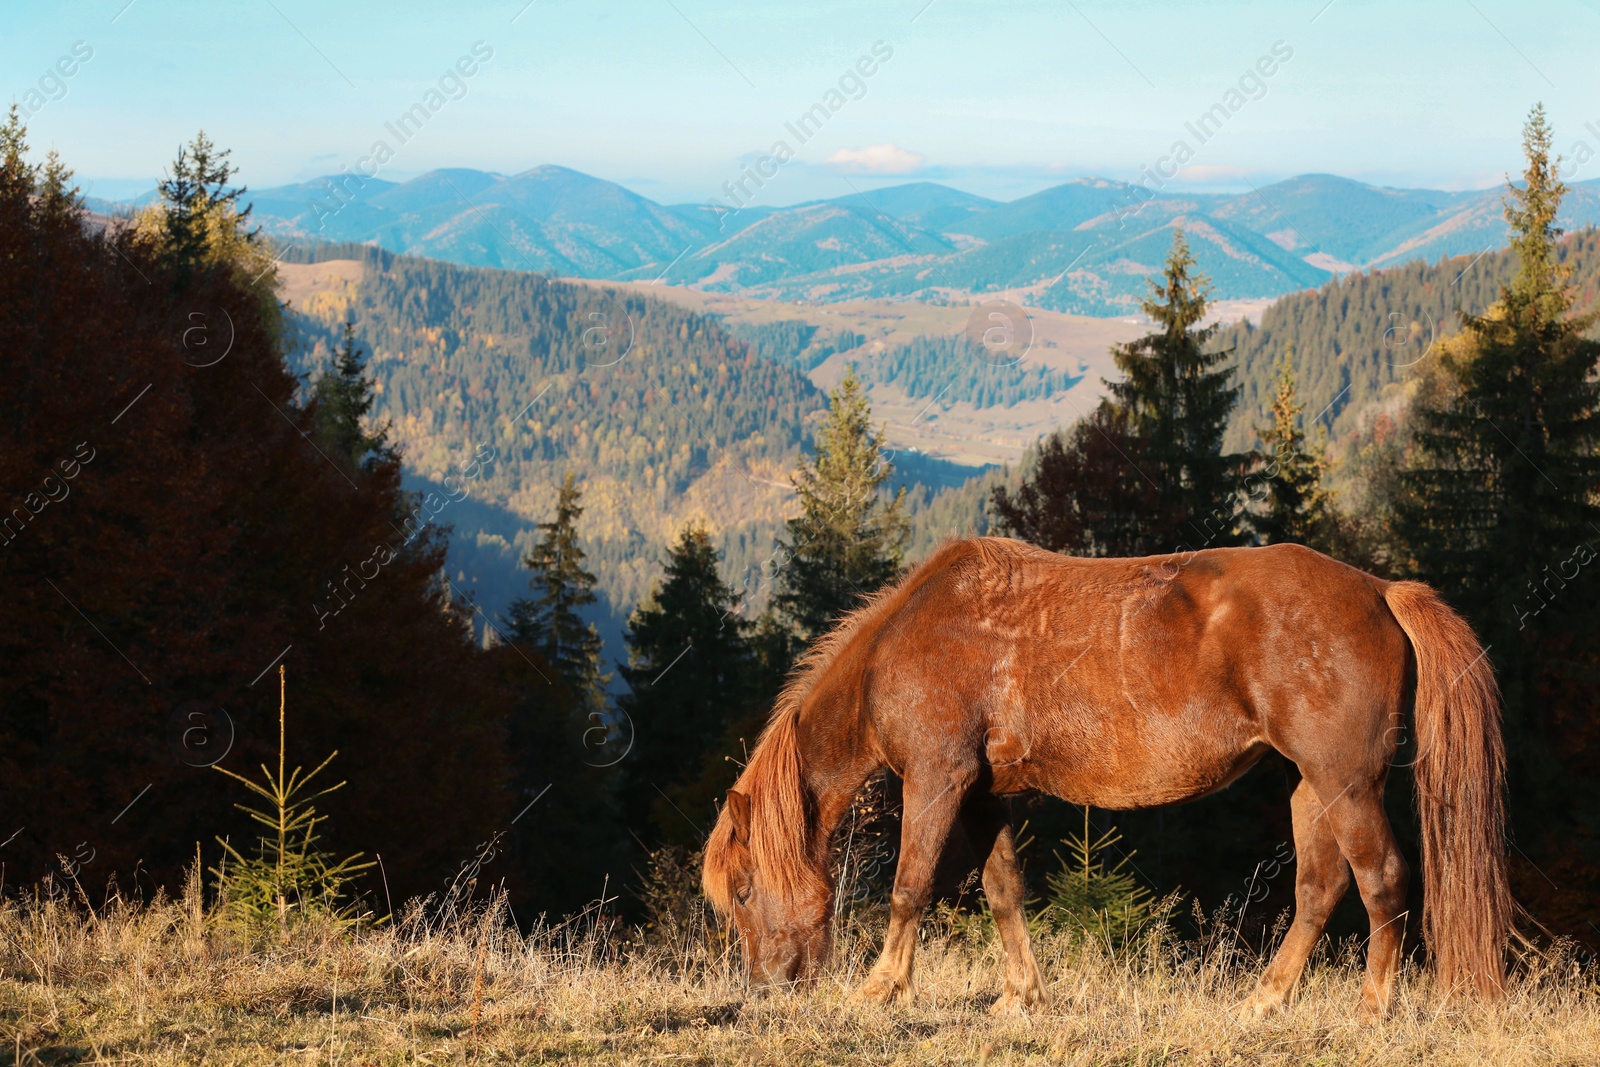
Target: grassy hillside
(163, 984)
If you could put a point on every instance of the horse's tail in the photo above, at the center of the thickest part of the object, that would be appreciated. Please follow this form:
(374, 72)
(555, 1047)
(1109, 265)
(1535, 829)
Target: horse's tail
(1460, 783)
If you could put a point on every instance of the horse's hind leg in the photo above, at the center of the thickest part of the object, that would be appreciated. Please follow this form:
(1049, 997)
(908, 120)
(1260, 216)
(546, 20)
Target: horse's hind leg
(931, 804)
(1321, 878)
(989, 829)
(1368, 843)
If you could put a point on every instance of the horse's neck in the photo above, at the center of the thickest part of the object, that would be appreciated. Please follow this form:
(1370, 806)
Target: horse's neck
(833, 768)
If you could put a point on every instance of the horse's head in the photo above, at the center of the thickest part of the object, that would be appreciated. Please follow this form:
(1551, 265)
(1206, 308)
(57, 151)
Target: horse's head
(758, 876)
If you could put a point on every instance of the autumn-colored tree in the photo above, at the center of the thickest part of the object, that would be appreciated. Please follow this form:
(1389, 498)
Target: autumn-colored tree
(195, 196)
(1145, 471)
(1088, 493)
(1292, 501)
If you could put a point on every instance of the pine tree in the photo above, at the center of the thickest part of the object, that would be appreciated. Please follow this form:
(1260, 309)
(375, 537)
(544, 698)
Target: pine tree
(17, 175)
(549, 620)
(343, 397)
(1293, 503)
(1500, 508)
(849, 538)
(1507, 427)
(1180, 397)
(196, 191)
(59, 202)
(691, 671)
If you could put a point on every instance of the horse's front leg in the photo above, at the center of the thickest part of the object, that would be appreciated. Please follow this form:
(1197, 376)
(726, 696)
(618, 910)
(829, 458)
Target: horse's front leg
(931, 805)
(988, 825)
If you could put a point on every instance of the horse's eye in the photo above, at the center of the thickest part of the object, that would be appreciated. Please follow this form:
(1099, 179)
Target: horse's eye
(742, 897)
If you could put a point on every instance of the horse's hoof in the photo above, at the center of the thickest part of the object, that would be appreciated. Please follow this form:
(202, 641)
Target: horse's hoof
(880, 989)
(1255, 1009)
(1014, 1006)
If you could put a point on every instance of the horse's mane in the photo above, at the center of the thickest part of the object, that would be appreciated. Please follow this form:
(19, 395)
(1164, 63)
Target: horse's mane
(782, 844)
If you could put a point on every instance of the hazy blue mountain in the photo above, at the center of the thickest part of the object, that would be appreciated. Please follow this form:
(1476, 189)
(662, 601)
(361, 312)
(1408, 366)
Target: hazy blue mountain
(926, 205)
(1084, 245)
(550, 219)
(1345, 219)
(1111, 277)
(797, 243)
(1064, 207)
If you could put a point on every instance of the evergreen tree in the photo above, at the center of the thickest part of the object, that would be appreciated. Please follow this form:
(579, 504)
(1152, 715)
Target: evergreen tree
(59, 202)
(1293, 503)
(1180, 397)
(343, 397)
(1507, 428)
(849, 538)
(1500, 508)
(17, 176)
(690, 670)
(193, 194)
(549, 620)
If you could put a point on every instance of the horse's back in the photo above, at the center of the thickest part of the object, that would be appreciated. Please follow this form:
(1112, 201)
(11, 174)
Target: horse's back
(1131, 682)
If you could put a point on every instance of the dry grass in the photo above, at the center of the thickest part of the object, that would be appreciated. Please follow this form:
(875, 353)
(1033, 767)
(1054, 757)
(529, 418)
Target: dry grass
(162, 983)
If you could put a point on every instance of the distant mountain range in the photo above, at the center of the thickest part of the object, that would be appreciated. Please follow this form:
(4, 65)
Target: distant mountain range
(1085, 246)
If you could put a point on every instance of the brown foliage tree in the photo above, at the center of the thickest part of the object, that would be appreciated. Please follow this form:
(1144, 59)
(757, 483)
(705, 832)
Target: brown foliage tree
(172, 528)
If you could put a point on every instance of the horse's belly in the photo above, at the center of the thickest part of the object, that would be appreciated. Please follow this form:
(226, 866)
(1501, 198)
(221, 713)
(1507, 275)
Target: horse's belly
(1138, 761)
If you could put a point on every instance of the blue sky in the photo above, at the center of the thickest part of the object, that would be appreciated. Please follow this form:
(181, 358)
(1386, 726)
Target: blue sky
(669, 96)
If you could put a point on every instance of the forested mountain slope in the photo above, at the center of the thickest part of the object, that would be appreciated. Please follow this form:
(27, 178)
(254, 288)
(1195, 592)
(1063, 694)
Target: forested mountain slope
(1357, 335)
(663, 415)
(666, 415)
(672, 414)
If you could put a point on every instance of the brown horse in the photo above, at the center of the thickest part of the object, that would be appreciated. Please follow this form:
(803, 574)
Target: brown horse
(996, 668)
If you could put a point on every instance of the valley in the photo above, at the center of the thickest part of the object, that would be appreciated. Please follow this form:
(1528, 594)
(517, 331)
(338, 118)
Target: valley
(698, 414)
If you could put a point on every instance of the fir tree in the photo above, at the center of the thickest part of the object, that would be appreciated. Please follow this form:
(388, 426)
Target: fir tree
(849, 538)
(1500, 508)
(41, 191)
(1507, 426)
(562, 587)
(343, 396)
(1180, 397)
(59, 202)
(690, 670)
(1293, 503)
(193, 194)
(17, 175)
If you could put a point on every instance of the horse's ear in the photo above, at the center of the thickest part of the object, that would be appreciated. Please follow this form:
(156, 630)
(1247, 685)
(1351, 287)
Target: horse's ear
(739, 812)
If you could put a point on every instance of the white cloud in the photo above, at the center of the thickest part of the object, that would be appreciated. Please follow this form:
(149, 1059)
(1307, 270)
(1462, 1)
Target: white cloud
(877, 159)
